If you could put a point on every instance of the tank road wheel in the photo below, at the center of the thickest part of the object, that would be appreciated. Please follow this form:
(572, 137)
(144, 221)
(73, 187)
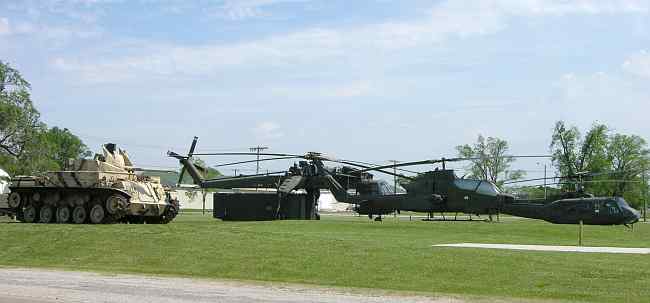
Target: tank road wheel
(46, 215)
(115, 203)
(63, 214)
(30, 214)
(97, 214)
(14, 200)
(79, 214)
(170, 213)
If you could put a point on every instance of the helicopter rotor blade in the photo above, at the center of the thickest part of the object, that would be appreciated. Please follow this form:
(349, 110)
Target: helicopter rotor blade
(250, 154)
(529, 180)
(365, 168)
(413, 163)
(442, 160)
(260, 160)
(573, 176)
(374, 164)
(576, 182)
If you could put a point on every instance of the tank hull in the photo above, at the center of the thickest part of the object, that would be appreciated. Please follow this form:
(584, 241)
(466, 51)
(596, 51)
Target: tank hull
(46, 204)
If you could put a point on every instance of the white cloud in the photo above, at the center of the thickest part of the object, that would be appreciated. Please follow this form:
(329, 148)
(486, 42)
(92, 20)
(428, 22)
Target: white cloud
(312, 48)
(563, 7)
(4, 27)
(51, 35)
(268, 130)
(246, 9)
(613, 96)
(638, 64)
(319, 90)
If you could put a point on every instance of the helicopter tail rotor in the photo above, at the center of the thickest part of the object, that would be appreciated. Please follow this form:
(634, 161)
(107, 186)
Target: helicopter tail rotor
(194, 170)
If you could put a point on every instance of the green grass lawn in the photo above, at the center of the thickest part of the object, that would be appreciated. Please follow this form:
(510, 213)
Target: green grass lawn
(350, 252)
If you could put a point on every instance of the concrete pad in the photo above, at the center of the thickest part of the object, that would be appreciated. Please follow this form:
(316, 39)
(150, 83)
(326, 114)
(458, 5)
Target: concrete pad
(585, 249)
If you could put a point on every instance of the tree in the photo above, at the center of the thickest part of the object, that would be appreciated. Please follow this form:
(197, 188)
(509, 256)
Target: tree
(572, 154)
(19, 120)
(62, 145)
(615, 163)
(564, 144)
(11, 77)
(490, 160)
(26, 144)
(629, 158)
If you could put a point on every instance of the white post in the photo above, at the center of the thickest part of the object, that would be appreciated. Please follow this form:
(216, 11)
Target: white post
(580, 234)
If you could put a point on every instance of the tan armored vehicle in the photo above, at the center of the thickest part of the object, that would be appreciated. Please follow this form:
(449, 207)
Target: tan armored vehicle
(102, 190)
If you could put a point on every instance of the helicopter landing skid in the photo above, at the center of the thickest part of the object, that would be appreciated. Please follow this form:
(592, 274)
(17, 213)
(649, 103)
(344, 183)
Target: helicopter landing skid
(454, 220)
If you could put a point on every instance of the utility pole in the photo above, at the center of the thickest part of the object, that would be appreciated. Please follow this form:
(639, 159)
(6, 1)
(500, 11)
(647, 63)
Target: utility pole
(545, 196)
(394, 176)
(258, 149)
(645, 198)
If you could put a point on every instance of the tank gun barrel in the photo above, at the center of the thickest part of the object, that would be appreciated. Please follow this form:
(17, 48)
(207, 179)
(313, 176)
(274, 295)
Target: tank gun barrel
(154, 170)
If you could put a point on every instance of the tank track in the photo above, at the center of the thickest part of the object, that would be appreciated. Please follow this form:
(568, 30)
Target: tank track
(78, 206)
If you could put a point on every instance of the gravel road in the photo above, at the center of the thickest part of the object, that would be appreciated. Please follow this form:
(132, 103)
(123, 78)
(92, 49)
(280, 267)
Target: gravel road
(45, 286)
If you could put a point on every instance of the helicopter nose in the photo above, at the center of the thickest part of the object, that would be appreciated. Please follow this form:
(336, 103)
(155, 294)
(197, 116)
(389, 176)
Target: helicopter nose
(632, 216)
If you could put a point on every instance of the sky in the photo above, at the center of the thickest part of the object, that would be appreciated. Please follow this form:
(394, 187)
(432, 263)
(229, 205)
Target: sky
(368, 80)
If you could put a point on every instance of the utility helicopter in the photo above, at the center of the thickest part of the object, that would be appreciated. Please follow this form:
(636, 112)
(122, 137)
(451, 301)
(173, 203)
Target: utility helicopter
(573, 207)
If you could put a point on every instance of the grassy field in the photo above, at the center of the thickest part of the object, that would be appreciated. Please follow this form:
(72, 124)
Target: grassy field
(350, 252)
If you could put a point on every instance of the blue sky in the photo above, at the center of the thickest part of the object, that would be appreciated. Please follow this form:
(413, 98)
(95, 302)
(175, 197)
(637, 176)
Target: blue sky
(367, 80)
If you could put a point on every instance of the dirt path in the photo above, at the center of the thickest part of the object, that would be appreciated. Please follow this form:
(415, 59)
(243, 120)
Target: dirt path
(46, 286)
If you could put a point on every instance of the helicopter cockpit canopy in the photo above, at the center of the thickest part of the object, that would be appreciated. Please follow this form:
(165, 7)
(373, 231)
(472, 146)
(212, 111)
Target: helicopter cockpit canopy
(379, 187)
(481, 187)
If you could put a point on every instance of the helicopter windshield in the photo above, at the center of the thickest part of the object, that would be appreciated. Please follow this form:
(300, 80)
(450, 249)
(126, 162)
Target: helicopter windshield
(482, 187)
(612, 207)
(466, 184)
(622, 204)
(385, 188)
(487, 188)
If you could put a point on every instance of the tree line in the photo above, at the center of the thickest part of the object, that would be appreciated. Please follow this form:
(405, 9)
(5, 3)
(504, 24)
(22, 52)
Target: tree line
(603, 162)
(28, 145)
